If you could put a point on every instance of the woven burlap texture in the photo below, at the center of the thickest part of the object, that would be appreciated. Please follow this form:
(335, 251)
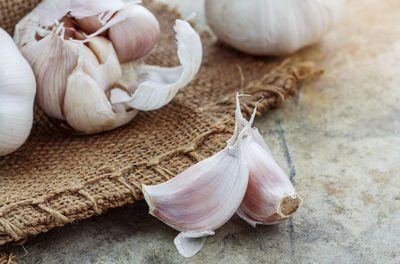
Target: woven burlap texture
(58, 177)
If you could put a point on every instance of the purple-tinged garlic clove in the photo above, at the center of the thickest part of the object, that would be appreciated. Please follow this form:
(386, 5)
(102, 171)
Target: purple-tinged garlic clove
(270, 196)
(136, 35)
(201, 199)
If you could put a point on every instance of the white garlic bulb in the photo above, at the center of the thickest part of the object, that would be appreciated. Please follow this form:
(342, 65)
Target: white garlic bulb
(17, 94)
(104, 36)
(270, 27)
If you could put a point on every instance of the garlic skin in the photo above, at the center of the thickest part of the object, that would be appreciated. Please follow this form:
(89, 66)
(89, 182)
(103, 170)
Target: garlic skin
(269, 27)
(17, 94)
(106, 35)
(159, 85)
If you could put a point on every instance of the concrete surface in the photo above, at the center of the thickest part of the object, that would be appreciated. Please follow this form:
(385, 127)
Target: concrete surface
(339, 141)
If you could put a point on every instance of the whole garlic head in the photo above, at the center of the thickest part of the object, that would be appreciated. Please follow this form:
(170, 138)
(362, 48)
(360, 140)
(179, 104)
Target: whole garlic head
(80, 50)
(17, 94)
(270, 27)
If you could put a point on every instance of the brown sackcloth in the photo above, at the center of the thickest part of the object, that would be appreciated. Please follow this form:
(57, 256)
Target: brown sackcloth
(6, 258)
(58, 177)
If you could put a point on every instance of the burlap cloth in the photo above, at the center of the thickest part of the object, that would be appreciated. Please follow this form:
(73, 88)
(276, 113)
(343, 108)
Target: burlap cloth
(57, 177)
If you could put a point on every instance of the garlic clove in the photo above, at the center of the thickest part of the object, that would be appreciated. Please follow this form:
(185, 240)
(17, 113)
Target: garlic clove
(86, 107)
(270, 196)
(189, 243)
(201, 199)
(157, 86)
(53, 59)
(136, 35)
(110, 68)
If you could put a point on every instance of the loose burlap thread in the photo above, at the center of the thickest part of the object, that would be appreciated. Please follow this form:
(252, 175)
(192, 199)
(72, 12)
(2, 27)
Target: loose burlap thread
(57, 177)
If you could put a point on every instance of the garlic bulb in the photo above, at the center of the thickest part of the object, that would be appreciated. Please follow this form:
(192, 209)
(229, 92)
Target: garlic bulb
(270, 27)
(17, 94)
(106, 37)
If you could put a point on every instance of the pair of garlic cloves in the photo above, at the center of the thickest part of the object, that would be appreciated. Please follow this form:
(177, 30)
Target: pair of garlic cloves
(243, 178)
(108, 38)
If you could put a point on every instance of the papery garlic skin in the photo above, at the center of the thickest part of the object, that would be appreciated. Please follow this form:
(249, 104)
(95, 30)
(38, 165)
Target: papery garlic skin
(113, 34)
(17, 94)
(270, 27)
(158, 85)
(270, 196)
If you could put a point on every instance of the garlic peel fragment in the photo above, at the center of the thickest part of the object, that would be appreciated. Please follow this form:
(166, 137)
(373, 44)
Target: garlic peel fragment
(189, 243)
(159, 85)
